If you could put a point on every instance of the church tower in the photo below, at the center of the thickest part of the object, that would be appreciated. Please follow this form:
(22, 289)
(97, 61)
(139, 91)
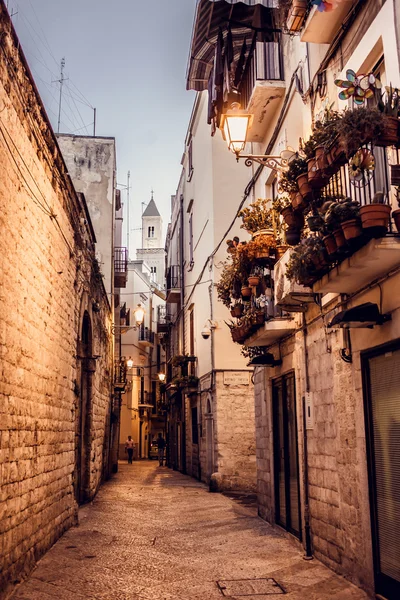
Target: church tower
(152, 250)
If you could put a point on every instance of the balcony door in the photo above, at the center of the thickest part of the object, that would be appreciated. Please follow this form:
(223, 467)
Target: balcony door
(286, 459)
(382, 402)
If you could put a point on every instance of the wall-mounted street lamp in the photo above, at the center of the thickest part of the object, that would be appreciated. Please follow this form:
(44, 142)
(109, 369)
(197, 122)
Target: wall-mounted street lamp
(161, 376)
(235, 125)
(130, 363)
(138, 315)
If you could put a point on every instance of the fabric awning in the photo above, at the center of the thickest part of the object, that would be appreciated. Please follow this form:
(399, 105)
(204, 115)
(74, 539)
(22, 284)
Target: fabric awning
(244, 17)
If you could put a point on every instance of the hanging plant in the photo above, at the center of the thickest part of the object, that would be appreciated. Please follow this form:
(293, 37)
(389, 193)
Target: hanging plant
(360, 87)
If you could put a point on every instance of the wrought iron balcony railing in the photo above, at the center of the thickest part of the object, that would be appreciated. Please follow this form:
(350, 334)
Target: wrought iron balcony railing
(120, 267)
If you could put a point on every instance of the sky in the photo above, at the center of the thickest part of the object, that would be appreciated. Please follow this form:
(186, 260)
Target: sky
(128, 60)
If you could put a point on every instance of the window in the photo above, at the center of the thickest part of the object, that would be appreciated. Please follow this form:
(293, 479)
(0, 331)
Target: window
(191, 260)
(195, 429)
(153, 270)
(150, 232)
(190, 160)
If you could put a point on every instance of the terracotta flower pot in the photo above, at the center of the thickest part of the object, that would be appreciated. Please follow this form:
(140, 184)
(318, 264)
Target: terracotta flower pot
(237, 310)
(395, 174)
(292, 236)
(351, 229)
(375, 218)
(280, 251)
(390, 136)
(299, 203)
(246, 291)
(336, 156)
(330, 244)
(260, 318)
(304, 187)
(396, 218)
(321, 158)
(293, 219)
(339, 238)
(253, 280)
(316, 178)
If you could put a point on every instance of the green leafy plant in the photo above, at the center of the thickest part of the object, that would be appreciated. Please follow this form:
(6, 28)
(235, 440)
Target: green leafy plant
(257, 216)
(287, 182)
(301, 266)
(389, 103)
(340, 211)
(358, 127)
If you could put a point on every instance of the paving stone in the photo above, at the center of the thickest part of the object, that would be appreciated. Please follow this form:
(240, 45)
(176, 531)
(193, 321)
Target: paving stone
(173, 540)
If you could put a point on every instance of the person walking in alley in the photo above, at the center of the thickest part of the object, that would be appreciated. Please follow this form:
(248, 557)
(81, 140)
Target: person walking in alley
(161, 447)
(129, 448)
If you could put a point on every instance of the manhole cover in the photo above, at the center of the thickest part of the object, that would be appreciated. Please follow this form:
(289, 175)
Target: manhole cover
(257, 588)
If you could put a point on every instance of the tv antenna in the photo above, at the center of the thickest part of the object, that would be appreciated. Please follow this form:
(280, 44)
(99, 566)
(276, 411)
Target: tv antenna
(61, 82)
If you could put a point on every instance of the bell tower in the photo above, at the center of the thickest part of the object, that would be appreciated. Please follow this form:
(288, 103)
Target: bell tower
(152, 250)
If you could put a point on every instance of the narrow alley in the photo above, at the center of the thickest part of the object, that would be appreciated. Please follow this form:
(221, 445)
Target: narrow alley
(153, 533)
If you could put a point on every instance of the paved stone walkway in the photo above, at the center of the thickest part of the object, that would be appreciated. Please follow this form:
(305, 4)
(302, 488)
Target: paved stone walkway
(154, 534)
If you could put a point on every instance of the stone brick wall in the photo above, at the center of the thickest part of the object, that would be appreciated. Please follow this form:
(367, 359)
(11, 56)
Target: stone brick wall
(337, 462)
(48, 281)
(231, 430)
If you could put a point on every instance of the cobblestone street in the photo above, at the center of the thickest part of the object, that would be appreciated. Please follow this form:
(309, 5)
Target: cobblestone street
(152, 533)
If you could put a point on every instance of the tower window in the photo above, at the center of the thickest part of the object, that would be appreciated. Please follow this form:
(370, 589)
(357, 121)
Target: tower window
(150, 232)
(153, 270)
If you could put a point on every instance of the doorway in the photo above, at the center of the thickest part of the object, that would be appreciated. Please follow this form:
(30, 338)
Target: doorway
(83, 415)
(286, 457)
(382, 410)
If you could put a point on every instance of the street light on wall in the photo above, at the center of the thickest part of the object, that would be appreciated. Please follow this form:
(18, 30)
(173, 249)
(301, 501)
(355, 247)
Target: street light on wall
(235, 125)
(130, 363)
(139, 314)
(161, 376)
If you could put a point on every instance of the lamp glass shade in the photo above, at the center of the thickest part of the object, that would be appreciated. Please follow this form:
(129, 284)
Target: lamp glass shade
(139, 314)
(161, 376)
(129, 363)
(235, 131)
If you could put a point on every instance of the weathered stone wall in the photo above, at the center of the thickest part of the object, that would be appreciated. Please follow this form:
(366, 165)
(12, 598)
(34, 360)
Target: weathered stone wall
(48, 282)
(231, 434)
(337, 459)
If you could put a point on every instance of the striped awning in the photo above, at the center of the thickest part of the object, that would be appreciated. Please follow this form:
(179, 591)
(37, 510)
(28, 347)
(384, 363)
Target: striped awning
(244, 17)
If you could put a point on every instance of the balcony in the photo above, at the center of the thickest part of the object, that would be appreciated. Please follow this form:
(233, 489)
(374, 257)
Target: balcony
(371, 262)
(120, 267)
(146, 337)
(125, 316)
(162, 320)
(290, 296)
(321, 27)
(174, 284)
(119, 376)
(272, 331)
(263, 87)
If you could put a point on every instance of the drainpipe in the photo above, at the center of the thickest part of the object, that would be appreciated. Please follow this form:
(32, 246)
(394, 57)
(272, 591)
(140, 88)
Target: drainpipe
(183, 317)
(307, 528)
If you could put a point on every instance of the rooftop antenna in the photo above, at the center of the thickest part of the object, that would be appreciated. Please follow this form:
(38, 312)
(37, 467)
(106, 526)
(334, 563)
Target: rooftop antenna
(127, 209)
(61, 82)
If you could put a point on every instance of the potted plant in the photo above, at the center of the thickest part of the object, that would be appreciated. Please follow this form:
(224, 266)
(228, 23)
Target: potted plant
(291, 218)
(258, 217)
(306, 261)
(331, 209)
(288, 181)
(237, 310)
(292, 236)
(375, 216)
(349, 215)
(389, 105)
(253, 280)
(246, 291)
(358, 127)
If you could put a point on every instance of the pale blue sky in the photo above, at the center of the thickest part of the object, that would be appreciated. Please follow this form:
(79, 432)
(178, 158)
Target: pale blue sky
(128, 58)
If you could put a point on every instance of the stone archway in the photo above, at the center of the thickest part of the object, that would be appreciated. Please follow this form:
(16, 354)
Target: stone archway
(209, 418)
(83, 418)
